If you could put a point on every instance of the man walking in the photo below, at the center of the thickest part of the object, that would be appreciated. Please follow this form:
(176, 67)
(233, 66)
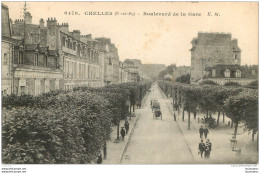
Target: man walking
(201, 130)
(201, 148)
(208, 143)
(126, 126)
(122, 132)
(206, 131)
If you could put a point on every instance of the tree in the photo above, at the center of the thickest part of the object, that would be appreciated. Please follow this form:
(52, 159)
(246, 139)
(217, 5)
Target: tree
(208, 82)
(184, 79)
(243, 107)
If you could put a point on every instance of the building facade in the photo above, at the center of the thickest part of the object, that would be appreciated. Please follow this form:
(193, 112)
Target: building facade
(52, 58)
(210, 49)
(8, 45)
(110, 60)
(132, 71)
(123, 74)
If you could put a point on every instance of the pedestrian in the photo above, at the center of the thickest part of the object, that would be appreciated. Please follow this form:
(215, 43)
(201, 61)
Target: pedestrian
(206, 131)
(201, 132)
(99, 160)
(198, 119)
(207, 152)
(208, 143)
(122, 132)
(201, 148)
(126, 126)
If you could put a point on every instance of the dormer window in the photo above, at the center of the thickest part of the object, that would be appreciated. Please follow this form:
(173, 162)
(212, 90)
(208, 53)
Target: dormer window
(227, 73)
(238, 74)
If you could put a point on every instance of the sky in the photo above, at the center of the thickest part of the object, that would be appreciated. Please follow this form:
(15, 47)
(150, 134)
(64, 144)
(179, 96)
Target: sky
(154, 39)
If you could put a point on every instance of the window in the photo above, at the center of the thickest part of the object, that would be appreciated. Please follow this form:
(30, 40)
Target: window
(36, 59)
(238, 74)
(235, 56)
(227, 73)
(56, 62)
(5, 59)
(20, 59)
(22, 90)
(46, 60)
(109, 61)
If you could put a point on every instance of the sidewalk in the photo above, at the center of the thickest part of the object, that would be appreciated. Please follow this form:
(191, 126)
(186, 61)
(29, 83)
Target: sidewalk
(115, 150)
(220, 138)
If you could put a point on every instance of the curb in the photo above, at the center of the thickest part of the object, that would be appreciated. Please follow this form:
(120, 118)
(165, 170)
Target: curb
(130, 135)
(132, 131)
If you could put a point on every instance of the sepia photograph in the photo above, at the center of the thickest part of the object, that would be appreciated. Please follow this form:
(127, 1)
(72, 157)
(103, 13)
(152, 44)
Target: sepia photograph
(129, 83)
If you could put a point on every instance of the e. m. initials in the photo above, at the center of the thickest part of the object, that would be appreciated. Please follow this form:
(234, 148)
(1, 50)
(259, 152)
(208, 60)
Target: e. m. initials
(213, 14)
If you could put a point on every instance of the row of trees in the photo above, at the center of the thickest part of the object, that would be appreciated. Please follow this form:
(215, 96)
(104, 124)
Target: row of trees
(68, 127)
(237, 103)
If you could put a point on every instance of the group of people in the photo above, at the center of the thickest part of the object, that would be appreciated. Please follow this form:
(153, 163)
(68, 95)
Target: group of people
(204, 148)
(124, 130)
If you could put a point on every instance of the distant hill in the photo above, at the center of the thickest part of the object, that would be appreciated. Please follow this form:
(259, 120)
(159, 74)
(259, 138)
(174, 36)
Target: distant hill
(152, 70)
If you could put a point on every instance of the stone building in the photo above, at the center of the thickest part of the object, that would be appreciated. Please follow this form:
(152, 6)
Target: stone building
(211, 49)
(53, 58)
(8, 45)
(111, 60)
(132, 71)
(123, 74)
(37, 67)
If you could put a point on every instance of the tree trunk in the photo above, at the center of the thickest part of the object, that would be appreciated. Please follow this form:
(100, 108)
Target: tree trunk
(183, 115)
(231, 124)
(194, 114)
(218, 118)
(189, 120)
(105, 150)
(253, 135)
(117, 133)
(133, 108)
(130, 110)
(235, 132)
(223, 117)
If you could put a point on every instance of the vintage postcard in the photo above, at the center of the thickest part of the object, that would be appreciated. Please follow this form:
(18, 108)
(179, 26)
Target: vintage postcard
(129, 83)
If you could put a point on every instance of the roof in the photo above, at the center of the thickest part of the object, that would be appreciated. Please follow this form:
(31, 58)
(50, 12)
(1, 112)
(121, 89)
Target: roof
(41, 49)
(223, 67)
(236, 48)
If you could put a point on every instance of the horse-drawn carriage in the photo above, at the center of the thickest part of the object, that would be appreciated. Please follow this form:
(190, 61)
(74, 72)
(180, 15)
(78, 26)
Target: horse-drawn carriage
(156, 109)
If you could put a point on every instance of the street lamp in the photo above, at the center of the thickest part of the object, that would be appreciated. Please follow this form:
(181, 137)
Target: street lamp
(233, 143)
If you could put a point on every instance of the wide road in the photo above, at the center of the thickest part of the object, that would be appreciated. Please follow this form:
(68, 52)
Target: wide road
(157, 141)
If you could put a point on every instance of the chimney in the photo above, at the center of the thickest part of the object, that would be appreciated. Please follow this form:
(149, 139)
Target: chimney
(76, 34)
(41, 22)
(64, 27)
(51, 22)
(28, 18)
